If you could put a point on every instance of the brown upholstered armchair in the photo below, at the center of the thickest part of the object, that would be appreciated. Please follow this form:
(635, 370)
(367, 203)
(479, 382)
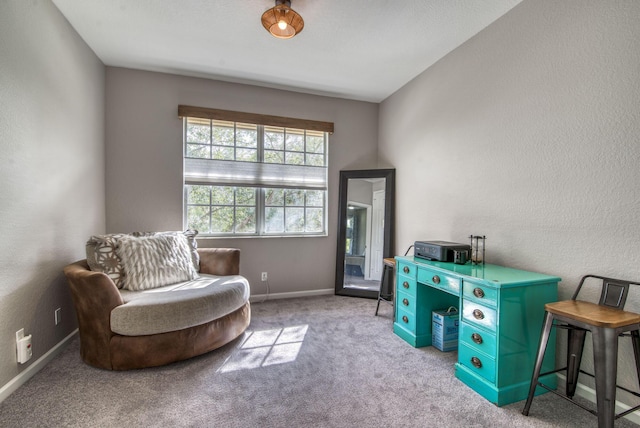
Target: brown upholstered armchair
(95, 296)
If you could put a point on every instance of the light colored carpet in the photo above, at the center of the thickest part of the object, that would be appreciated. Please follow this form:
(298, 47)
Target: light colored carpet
(323, 361)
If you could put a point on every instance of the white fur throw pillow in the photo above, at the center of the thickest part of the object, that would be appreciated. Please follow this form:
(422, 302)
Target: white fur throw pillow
(155, 261)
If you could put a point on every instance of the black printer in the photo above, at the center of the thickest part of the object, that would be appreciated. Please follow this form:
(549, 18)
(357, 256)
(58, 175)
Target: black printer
(442, 251)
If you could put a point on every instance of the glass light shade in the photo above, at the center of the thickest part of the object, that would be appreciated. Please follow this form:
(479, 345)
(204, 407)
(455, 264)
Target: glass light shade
(282, 21)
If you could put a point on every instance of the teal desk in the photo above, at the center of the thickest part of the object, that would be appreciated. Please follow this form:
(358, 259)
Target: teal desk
(501, 312)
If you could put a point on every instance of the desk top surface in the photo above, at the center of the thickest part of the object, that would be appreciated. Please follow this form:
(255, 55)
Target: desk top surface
(498, 275)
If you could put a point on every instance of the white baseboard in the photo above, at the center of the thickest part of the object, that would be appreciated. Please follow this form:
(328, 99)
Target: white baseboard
(258, 298)
(590, 394)
(34, 368)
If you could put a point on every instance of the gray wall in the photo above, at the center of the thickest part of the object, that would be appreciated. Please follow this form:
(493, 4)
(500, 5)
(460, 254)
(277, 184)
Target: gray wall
(144, 165)
(529, 133)
(360, 190)
(51, 171)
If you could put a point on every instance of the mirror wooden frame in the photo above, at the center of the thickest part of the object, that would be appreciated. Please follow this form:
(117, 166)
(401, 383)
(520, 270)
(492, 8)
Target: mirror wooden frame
(389, 221)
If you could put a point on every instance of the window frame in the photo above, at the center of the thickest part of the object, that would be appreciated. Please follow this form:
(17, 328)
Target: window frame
(261, 206)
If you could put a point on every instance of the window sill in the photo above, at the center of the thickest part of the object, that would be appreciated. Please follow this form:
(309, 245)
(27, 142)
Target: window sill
(213, 237)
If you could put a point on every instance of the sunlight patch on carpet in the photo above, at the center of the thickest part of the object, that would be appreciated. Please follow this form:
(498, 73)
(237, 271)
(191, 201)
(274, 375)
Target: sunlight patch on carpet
(266, 348)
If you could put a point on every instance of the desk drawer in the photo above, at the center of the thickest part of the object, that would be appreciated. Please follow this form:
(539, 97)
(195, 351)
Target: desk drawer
(480, 315)
(439, 280)
(478, 362)
(406, 319)
(480, 293)
(406, 302)
(409, 270)
(477, 338)
(406, 285)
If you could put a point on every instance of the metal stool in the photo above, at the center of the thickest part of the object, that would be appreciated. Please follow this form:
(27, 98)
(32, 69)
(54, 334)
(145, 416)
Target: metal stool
(606, 321)
(385, 294)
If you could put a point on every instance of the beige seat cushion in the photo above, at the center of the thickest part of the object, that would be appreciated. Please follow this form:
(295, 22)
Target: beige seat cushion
(179, 306)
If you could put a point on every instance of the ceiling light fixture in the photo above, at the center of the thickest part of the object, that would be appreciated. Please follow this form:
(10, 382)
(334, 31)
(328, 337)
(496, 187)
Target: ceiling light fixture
(282, 21)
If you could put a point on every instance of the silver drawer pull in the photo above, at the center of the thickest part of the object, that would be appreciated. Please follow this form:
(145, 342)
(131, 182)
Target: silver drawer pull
(476, 338)
(405, 319)
(476, 362)
(405, 302)
(478, 292)
(478, 314)
(405, 285)
(406, 269)
(436, 279)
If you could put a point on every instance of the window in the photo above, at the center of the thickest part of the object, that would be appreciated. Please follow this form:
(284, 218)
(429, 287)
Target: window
(252, 177)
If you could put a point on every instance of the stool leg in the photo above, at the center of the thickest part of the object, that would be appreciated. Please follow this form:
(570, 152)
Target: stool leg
(542, 347)
(574, 358)
(605, 362)
(384, 275)
(635, 339)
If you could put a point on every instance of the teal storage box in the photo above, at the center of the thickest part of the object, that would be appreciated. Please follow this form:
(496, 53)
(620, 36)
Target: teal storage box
(444, 327)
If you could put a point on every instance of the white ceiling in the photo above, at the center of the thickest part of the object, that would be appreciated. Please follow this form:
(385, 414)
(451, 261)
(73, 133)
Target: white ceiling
(355, 49)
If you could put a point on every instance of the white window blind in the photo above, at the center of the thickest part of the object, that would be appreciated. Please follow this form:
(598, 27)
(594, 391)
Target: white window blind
(226, 154)
(254, 174)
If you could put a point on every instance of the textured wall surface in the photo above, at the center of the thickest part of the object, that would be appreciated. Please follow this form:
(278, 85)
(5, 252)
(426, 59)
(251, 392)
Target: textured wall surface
(529, 133)
(144, 165)
(51, 171)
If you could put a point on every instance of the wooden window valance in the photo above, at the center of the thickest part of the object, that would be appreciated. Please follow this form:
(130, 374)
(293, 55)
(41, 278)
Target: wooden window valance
(259, 119)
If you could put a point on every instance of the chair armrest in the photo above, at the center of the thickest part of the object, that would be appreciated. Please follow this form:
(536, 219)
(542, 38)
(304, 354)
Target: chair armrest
(94, 295)
(219, 261)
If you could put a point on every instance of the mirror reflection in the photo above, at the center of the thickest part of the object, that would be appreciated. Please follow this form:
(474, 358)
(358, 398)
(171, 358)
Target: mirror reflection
(364, 230)
(364, 237)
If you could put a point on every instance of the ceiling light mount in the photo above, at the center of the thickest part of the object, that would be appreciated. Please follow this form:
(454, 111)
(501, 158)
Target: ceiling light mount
(282, 21)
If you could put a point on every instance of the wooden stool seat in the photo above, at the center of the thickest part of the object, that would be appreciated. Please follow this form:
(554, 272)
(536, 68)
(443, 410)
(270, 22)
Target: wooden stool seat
(592, 313)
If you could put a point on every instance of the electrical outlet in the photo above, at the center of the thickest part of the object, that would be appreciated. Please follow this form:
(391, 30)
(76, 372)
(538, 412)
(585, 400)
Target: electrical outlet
(264, 276)
(23, 347)
(57, 314)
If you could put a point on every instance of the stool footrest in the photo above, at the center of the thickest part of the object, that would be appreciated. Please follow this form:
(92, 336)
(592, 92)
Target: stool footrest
(626, 412)
(569, 399)
(559, 394)
(634, 393)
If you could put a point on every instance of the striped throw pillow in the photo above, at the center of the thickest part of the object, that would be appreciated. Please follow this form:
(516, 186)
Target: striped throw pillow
(154, 261)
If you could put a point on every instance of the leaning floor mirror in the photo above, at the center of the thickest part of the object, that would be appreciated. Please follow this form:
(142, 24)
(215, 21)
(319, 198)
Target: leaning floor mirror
(365, 230)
